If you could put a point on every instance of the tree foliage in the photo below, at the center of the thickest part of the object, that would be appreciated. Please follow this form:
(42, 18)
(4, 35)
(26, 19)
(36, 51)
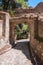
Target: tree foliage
(13, 4)
(23, 3)
(21, 31)
(8, 3)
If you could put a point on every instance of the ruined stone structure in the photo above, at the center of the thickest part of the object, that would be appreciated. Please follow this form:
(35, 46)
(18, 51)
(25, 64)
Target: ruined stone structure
(35, 22)
(4, 32)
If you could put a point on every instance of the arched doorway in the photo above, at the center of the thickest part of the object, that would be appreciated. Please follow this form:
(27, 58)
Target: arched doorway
(17, 21)
(23, 47)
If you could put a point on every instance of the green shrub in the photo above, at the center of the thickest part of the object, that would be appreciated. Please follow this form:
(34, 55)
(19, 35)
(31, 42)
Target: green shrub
(22, 31)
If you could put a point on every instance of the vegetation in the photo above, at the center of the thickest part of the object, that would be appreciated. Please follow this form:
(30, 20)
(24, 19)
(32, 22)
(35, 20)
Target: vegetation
(8, 4)
(23, 3)
(21, 31)
(12, 4)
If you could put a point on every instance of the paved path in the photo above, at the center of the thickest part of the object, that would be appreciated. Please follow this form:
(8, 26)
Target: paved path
(18, 55)
(23, 40)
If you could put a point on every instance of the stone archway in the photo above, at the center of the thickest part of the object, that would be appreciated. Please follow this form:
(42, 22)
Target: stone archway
(15, 21)
(35, 22)
(36, 31)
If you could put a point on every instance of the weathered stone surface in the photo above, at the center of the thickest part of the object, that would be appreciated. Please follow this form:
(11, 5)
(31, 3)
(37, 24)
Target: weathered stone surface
(5, 48)
(31, 19)
(35, 22)
(19, 55)
(4, 32)
(1, 23)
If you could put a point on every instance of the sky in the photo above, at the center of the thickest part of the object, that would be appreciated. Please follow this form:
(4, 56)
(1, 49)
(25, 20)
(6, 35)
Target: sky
(33, 3)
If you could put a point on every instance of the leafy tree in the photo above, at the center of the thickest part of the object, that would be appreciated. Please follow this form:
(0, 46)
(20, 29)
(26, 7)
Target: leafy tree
(13, 4)
(21, 31)
(23, 3)
(0, 4)
(8, 3)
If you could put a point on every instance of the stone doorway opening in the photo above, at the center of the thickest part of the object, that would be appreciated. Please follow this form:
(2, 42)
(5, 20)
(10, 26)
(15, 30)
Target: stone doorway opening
(21, 42)
(17, 21)
(22, 32)
(19, 31)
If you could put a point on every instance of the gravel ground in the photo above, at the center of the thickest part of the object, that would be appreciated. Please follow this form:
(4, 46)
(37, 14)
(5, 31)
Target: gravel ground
(19, 55)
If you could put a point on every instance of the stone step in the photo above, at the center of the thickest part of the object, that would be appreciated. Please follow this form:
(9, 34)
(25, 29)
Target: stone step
(5, 49)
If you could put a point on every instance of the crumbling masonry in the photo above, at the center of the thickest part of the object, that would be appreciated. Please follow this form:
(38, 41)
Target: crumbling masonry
(35, 22)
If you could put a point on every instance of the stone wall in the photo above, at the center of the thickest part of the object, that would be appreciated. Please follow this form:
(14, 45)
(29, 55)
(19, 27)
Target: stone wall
(1, 23)
(37, 38)
(35, 22)
(4, 31)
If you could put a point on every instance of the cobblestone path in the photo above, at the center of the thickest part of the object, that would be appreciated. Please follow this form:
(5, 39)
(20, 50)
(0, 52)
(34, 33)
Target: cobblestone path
(19, 55)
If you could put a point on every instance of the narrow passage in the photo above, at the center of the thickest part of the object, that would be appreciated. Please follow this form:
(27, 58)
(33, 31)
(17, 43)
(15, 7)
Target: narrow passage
(19, 55)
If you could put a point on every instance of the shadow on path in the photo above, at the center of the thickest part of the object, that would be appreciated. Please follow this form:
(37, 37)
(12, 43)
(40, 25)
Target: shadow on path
(23, 46)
